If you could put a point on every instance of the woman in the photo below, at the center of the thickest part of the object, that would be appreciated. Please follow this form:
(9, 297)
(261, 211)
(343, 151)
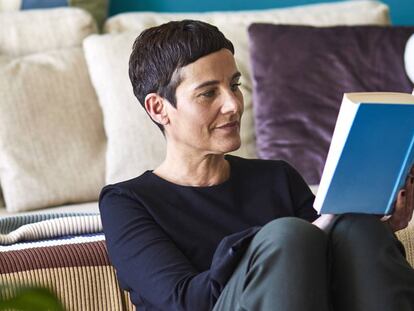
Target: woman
(208, 230)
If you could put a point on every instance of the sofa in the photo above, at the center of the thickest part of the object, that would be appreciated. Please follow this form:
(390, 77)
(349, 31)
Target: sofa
(69, 124)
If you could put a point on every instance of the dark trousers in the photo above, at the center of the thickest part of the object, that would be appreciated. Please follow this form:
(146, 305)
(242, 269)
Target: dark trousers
(291, 265)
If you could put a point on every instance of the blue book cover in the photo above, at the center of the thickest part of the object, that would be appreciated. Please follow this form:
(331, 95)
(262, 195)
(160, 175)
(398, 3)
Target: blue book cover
(371, 153)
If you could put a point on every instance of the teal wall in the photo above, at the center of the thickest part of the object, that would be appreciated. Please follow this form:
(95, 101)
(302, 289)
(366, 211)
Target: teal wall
(402, 11)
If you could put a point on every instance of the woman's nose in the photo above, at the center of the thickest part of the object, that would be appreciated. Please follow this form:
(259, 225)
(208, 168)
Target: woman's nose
(231, 103)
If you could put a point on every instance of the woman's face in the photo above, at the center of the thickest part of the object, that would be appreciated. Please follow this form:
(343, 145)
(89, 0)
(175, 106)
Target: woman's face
(209, 106)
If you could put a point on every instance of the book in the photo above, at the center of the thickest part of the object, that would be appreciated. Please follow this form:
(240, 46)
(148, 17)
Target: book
(370, 155)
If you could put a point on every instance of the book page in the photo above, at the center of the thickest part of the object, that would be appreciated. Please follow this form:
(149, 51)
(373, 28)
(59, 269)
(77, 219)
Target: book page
(343, 125)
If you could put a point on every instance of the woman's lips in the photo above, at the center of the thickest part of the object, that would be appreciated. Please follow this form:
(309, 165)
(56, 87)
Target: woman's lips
(229, 126)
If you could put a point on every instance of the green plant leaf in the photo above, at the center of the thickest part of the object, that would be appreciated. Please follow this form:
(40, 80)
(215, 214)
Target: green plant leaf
(31, 299)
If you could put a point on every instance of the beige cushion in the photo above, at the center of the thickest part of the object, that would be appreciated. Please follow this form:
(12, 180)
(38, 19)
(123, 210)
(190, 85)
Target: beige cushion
(52, 143)
(134, 142)
(33, 31)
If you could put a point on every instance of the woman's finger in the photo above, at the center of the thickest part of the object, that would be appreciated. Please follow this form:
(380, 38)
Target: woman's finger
(401, 201)
(399, 218)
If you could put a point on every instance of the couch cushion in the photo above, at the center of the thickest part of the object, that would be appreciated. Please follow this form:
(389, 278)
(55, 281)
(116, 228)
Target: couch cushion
(135, 144)
(107, 57)
(300, 74)
(52, 142)
(33, 31)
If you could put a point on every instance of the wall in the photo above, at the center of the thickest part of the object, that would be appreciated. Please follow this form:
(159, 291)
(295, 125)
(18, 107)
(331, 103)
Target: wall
(402, 11)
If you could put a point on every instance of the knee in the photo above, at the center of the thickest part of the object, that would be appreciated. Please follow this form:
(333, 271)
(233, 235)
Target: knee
(361, 227)
(362, 231)
(290, 233)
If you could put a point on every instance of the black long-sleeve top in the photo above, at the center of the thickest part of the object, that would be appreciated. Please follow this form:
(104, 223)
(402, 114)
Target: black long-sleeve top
(174, 247)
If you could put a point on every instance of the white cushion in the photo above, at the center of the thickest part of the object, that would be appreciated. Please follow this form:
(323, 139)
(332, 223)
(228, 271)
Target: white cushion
(134, 142)
(409, 58)
(32, 31)
(52, 142)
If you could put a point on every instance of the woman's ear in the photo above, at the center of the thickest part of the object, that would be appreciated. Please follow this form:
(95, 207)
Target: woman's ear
(156, 108)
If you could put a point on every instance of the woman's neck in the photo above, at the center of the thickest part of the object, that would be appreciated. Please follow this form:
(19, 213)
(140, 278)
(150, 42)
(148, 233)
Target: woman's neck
(194, 170)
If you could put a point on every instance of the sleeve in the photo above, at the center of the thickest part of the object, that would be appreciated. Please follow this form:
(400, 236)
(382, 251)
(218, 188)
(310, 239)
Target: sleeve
(301, 195)
(152, 268)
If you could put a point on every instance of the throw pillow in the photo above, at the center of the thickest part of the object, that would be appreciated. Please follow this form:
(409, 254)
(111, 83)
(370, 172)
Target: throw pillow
(97, 8)
(52, 142)
(299, 76)
(33, 31)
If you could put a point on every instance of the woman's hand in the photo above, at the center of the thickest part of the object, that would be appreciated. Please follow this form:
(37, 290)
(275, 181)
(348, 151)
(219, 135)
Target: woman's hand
(404, 206)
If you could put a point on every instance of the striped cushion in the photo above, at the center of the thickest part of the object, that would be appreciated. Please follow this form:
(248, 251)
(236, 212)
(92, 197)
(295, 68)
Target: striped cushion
(74, 266)
(80, 274)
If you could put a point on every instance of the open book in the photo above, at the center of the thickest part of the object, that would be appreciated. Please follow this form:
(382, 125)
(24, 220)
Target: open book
(371, 153)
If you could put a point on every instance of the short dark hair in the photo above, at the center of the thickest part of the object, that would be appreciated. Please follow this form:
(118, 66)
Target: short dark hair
(159, 52)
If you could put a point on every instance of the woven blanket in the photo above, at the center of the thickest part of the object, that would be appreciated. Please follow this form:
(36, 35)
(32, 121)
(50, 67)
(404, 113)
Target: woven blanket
(64, 252)
(36, 227)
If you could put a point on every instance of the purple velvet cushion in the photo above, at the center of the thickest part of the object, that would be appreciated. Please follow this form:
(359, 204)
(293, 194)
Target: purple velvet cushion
(299, 76)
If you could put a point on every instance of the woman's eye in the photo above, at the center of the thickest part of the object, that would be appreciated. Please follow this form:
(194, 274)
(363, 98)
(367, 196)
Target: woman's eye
(235, 86)
(208, 94)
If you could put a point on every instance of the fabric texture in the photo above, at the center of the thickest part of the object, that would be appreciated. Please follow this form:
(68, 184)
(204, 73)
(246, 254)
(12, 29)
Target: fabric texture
(300, 74)
(284, 268)
(406, 236)
(35, 31)
(357, 265)
(174, 247)
(50, 227)
(79, 273)
(52, 142)
(135, 143)
(112, 53)
(70, 259)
